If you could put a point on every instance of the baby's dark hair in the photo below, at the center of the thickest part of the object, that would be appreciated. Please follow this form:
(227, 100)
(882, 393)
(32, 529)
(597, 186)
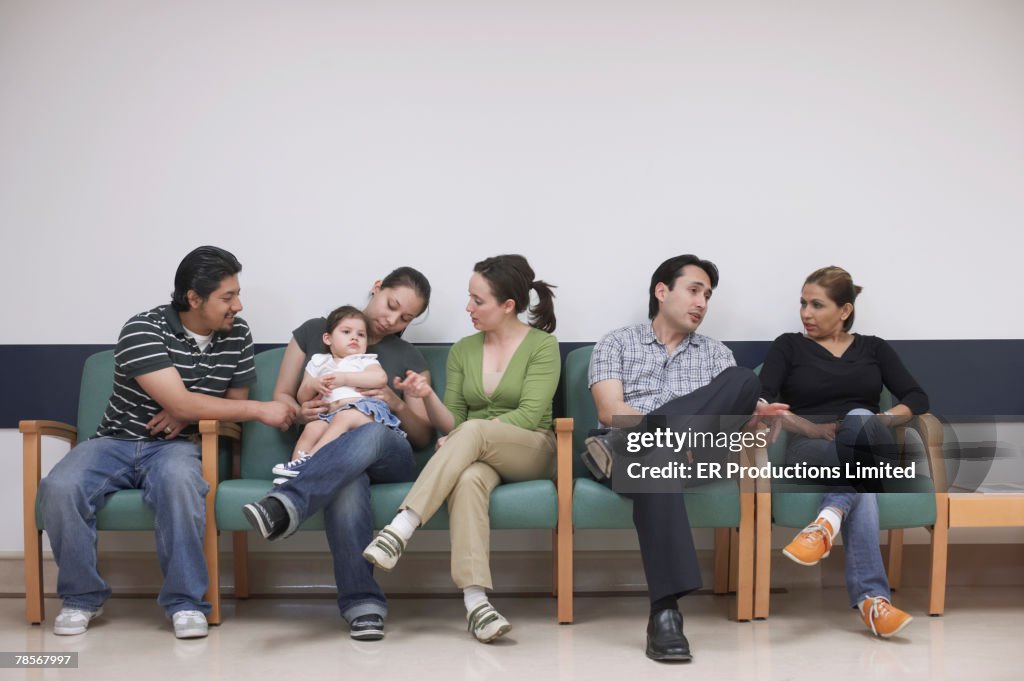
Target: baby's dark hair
(345, 312)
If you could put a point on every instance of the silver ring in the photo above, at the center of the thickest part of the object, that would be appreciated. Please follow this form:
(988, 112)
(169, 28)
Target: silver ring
(168, 429)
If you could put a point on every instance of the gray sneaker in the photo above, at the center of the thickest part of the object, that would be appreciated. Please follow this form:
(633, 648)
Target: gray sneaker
(190, 624)
(74, 621)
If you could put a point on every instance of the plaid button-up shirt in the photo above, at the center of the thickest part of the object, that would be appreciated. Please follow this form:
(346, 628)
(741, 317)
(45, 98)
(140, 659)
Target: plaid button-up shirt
(650, 375)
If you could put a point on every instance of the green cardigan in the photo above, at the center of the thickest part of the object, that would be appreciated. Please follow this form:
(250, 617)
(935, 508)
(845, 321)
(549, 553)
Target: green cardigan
(522, 397)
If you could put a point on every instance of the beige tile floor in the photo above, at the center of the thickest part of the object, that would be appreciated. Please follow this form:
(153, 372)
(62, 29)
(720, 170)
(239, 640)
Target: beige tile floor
(810, 635)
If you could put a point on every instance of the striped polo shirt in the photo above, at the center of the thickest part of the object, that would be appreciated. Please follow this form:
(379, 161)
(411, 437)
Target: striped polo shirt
(155, 340)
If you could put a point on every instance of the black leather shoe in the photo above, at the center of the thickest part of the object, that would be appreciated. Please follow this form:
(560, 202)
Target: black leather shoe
(665, 640)
(602, 446)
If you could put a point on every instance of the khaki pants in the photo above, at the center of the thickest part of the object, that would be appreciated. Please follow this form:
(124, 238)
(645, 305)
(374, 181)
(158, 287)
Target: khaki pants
(476, 457)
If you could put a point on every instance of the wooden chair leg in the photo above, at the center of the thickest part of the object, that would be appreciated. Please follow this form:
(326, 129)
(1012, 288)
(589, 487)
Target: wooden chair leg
(939, 550)
(213, 574)
(554, 562)
(34, 607)
(763, 555)
(720, 585)
(209, 435)
(240, 551)
(563, 524)
(745, 560)
(894, 568)
(734, 558)
(564, 575)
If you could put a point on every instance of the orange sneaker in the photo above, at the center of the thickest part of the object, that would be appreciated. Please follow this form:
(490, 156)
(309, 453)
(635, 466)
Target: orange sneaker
(882, 617)
(812, 544)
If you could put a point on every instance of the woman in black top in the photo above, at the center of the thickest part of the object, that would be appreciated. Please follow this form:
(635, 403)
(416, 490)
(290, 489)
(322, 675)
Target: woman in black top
(832, 380)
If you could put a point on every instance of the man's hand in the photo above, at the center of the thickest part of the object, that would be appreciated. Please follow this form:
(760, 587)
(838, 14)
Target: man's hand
(769, 414)
(162, 425)
(276, 414)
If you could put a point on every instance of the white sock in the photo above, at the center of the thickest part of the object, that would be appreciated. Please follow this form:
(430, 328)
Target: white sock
(834, 518)
(474, 596)
(405, 523)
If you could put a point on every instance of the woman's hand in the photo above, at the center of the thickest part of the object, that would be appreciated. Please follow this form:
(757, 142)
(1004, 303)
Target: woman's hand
(163, 425)
(311, 410)
(823, 431)
(386, 394)
(414, 384)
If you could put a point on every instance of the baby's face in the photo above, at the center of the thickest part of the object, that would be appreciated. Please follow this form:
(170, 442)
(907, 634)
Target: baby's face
(347, 338)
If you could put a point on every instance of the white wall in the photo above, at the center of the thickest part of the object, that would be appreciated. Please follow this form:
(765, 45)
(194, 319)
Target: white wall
(595, 137)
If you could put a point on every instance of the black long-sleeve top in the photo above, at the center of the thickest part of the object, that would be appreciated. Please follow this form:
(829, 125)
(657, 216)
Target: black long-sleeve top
(800, 372)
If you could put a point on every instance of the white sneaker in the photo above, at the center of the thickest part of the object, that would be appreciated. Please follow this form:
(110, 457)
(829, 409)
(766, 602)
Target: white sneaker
(385, 549)
(486, 623)
(74, 621)
(190, 624)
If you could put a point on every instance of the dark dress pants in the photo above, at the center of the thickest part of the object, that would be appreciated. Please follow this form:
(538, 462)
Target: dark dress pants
(666, 541)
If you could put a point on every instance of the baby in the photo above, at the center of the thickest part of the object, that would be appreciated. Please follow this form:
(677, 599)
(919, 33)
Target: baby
(338, 377)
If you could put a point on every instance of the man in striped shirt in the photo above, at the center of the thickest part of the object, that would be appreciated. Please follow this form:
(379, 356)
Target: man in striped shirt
(173, 365)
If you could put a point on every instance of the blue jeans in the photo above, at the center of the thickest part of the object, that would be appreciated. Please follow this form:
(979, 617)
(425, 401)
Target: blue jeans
(169, 473)
(337, 480)
(865, 571)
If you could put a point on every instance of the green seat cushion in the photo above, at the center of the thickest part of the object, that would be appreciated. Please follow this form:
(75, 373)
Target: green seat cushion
(596, 507)
(896, 510)
(514, 506)
(124, 511)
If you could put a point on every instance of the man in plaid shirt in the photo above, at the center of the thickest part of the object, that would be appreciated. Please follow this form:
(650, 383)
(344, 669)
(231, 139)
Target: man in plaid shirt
(664, 368)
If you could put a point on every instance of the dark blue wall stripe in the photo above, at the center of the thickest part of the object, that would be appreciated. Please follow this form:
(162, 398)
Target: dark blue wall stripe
(962, 377)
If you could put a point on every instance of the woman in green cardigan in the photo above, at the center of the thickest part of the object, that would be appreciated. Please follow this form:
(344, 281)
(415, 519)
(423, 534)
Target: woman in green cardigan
(496, 418)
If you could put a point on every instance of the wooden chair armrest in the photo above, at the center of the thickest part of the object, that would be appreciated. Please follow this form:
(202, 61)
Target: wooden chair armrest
(51, 428)
(210, 432)
(563, 440)
(32, 449)
(232, 431)
(31, 471)
(757, 457)
(563, 470)
(932, 435)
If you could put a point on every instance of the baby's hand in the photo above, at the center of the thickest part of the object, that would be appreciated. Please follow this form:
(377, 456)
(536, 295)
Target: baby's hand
(324, 385)
(414, 384)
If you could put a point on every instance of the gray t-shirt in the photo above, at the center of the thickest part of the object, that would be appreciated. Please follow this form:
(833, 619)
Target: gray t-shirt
(394, 354)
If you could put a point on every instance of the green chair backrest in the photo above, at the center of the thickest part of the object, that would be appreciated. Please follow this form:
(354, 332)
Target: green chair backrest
(579, 404)
(437, 361)
(263, 446)
(96, 388)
